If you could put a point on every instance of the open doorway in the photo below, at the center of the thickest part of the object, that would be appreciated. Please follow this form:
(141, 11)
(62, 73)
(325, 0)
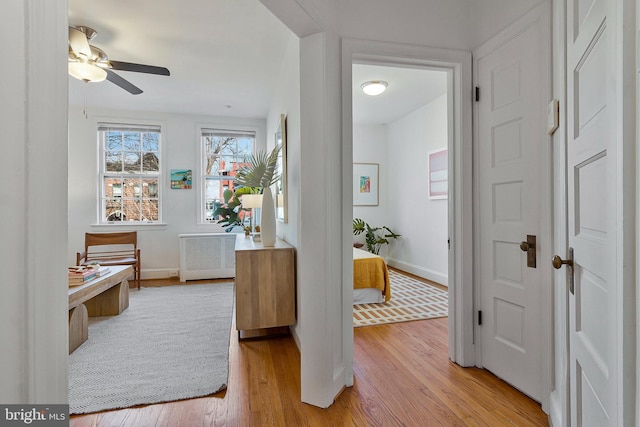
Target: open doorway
(400, 192)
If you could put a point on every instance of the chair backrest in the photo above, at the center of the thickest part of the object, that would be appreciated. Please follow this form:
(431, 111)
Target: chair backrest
(116, 245)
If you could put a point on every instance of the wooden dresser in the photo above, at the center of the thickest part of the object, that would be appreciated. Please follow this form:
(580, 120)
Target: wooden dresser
(265, 288)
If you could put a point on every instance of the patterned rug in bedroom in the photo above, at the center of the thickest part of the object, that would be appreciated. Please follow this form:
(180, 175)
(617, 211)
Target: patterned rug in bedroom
(410, 300)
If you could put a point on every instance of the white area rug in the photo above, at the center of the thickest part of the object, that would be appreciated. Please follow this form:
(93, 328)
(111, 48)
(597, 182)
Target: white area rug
(172, 343)
(410, 300)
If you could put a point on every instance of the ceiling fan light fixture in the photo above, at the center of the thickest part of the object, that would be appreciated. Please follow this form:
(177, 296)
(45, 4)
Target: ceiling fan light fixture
(87, 72)
(374, 87)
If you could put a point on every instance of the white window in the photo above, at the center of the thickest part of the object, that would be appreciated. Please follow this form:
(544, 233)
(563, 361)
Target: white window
(223, 152)
(129, 173)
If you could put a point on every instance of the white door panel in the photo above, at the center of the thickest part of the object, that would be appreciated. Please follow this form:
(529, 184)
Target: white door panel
(511, 139)
(591, 181)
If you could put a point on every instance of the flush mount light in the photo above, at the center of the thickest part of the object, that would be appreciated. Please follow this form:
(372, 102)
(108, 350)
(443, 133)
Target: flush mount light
(374, 87)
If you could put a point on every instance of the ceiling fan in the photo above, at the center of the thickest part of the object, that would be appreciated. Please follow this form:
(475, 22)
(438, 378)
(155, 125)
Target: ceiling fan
(90, 64)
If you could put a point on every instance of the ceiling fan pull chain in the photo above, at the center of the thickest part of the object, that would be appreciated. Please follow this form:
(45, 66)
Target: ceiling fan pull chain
(84, 109)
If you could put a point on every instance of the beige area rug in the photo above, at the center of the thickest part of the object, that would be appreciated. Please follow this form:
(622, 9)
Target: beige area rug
(410, 300)
(172, 343)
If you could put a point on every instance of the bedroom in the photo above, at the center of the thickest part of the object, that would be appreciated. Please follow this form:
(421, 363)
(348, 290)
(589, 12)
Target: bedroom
(395, 134)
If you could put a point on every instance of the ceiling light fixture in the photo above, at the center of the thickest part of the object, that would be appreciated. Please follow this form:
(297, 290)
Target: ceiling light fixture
(374, 87)
(87, 72)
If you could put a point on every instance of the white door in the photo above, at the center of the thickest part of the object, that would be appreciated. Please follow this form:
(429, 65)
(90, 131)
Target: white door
(512, 78)
(592, 204)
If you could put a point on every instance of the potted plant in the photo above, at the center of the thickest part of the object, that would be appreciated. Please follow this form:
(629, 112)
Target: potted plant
(261, 172)
(230, 210)
(374, 237)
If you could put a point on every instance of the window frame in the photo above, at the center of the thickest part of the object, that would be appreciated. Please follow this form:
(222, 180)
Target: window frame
(102, 127)
(258, 137)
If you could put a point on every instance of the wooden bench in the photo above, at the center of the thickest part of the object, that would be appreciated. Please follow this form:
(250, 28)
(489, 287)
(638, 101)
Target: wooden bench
(107, 295)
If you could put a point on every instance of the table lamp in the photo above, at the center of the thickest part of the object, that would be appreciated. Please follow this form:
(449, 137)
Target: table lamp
(251, 201)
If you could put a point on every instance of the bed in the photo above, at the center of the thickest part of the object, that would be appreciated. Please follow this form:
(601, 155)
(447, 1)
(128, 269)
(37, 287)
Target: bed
(370, 278)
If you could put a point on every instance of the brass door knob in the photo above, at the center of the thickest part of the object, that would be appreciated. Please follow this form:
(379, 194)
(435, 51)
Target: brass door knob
(524, 246)
(559, 262)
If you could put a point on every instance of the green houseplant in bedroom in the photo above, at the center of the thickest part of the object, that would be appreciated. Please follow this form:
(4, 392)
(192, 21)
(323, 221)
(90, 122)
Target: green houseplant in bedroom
(374, 237)
(261, 172)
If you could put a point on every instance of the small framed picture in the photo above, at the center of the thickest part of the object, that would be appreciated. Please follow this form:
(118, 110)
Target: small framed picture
(181, 179)
(365, 184)
(438, 174)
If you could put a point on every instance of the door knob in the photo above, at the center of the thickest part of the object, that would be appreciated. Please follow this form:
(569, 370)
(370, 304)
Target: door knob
(558, 262)
(529, 246)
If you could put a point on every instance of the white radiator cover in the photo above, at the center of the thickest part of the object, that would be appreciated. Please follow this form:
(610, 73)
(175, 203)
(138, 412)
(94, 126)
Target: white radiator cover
(207, 256)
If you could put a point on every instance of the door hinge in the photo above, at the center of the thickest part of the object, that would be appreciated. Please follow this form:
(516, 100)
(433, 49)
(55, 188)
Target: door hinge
(449, 243)
(480, 318)
(477, 94)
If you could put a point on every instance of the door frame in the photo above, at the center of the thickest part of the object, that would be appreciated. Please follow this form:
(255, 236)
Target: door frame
(460, 202)
(538, 13)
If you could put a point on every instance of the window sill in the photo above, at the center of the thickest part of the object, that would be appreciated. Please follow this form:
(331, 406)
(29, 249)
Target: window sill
(126, 225)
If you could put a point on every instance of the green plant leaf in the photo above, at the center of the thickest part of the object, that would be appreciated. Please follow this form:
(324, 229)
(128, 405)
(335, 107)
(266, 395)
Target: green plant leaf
(261, 171)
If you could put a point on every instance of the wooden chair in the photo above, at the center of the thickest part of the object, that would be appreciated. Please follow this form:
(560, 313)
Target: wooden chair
(111, 249)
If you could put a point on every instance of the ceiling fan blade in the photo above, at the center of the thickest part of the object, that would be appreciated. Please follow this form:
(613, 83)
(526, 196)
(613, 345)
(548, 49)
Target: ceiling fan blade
(139, 68)
(124, 84)
(79, 43)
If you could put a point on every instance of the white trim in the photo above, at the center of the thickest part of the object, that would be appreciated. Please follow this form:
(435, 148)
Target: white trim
(559, 408)
(458, 65)
(162, 174)
(540, 13)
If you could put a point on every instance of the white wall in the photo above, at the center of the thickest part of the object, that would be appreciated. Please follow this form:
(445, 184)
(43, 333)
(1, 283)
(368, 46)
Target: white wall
(489, 17)
(370, 146)
(159, 243)
(401, 149)
(422, 249)
(287, 101)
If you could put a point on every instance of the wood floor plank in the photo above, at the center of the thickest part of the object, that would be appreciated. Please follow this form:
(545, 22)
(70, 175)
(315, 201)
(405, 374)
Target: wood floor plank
(402, 377)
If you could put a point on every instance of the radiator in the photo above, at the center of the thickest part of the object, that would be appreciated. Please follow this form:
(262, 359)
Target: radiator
(207, 256)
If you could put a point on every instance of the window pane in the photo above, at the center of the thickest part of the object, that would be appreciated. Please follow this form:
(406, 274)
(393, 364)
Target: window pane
(150, 210)
(150, 141)
(150, 188)
(113, 187)
(113, 141)
(245, 147)
(132, 162)
(132, 141)
(132, 209)
(150, 162)
(132, 188)
(113, 161)
(113, 210)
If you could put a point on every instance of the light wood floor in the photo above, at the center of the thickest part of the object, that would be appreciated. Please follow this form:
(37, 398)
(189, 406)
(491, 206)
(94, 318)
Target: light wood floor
(402, 378)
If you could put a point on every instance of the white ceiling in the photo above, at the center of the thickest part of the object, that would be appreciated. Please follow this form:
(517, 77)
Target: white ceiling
(220, 53)
(224, 56)
(408, 90)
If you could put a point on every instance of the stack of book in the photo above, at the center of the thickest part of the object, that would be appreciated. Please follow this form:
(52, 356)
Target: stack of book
(80, 275)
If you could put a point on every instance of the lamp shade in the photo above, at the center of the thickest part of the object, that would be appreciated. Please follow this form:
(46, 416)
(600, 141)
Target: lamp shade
(87, 72)
(250, 201)
(374, 87)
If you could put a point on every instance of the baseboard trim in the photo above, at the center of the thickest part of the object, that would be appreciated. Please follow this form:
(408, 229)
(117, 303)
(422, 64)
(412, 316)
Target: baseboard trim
(419, 271)
(159, 273)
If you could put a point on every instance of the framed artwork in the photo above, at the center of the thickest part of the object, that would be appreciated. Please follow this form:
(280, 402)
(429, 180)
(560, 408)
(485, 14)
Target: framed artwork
(181, 179)
(281, 168)
(438, 174)
(365, 184)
